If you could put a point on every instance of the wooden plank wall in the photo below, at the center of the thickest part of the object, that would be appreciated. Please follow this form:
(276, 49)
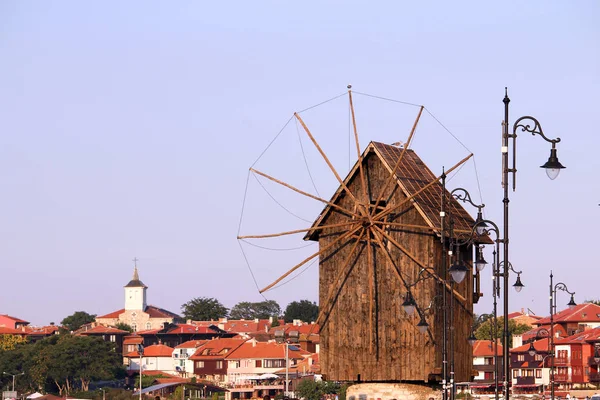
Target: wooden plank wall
(385, 345)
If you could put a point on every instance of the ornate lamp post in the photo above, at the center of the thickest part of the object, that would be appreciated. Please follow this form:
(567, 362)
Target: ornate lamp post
(552, 166)
(571, 304)
(13, 378)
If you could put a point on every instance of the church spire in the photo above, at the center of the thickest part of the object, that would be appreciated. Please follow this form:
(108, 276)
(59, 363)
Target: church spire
(136, 276)
(135, 280)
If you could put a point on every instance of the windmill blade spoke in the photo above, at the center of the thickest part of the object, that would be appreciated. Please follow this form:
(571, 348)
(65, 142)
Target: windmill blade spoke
(318, 253)
(390, 210)
(327, 307)
(395, 169)
(420, 264)
(363, 179)
(317, 228)
(398, 273)
(341, 182)
(287, 185)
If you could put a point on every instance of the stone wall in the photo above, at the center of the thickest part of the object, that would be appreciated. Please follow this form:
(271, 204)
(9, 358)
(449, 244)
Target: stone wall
(392, 391)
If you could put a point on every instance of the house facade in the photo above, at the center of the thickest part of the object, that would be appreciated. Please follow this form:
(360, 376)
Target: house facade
(154, 358)
(484, 359)
(6, 321)
(531, 373)
(181, 356)
(210, 359)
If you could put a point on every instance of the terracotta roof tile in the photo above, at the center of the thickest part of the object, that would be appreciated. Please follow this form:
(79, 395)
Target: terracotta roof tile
(217, 348)
(191, 344)
(100, 329)
(540, 346)
(10, 331)
(485, 348)
(586, 312)
(114, 314)
(157, 312)
(265, 350)
(156, 350)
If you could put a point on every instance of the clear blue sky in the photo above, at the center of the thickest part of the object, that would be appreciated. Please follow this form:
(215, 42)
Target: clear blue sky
(127, 130)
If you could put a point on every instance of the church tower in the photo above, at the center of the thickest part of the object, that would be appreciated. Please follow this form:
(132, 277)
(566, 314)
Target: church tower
(135, 293)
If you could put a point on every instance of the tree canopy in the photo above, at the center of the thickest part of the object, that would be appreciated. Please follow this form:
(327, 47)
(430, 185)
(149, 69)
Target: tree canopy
(260, 310)
(204, 309)
(486, 329)
(75, 321)
(62, 362)
(304, 310)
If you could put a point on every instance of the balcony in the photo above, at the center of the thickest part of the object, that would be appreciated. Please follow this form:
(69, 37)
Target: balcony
(525, 380)
(484, 368)
(594, 376)
(562, 360)
(562, 378)
(592, 361)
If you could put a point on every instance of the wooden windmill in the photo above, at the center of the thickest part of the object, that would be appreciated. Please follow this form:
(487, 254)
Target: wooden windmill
(377, 235)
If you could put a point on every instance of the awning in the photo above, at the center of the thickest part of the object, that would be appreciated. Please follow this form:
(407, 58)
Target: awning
(269, 376)
(165, 385)
(480, 386)
(527, 386)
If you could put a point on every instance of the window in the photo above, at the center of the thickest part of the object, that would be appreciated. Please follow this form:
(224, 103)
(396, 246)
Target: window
(488, 361)
(274, 364)
(148, 325)
(538, 373)
(515, 373)
(258, 363)
(113, 338)
(199, 364)
(219, 365)
(134, 327)
(538, 357)
(521, 357)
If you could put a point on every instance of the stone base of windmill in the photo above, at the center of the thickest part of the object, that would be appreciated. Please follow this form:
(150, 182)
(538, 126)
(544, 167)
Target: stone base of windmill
(392, 391)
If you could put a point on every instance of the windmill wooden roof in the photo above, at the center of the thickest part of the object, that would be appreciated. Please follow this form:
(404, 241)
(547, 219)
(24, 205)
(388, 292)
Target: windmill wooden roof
(411, 176)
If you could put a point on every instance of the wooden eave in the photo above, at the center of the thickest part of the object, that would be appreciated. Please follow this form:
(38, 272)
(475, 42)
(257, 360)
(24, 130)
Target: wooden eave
(412, 173)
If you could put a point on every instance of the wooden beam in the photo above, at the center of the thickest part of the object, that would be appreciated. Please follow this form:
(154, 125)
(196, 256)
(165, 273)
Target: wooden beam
(420, 227)
(341, 182)
(371, 275)
(321, 227)
(420, 264)
(388, 211)
(347, 234)
(399, 275)
(323, 308)
(287, 185)
(360, 158)
(391, 177)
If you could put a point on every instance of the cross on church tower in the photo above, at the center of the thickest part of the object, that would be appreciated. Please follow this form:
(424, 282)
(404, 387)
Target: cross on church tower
(135, 260)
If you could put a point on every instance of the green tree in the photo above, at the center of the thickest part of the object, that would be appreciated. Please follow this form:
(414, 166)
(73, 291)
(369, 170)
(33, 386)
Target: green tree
(304, 310)
(9, 342)
(486, 329)
(75, 321)
(275, 321)
(124, 327)
(204, 309)
(308, 389)
(260, 310)
(596, 302)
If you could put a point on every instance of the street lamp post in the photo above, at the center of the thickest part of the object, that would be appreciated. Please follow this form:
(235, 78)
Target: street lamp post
(141, 352)
(571, 304)
(13, 378)
(552, 166)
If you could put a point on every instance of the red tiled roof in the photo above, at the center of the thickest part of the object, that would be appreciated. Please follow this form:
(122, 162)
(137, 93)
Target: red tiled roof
(157, 312)
(581, 337)
(301, 329)
(191, 344)
(41, 330)
(586, 312)
(156, 350)
(114, 314)
(15, 319)
(485, 348)
(541, 332)
(10, 331)
(133, 340)
(540, 346)
(217, 348)
(265, 350)
(186, 328)
(152, 311)
(100, 329)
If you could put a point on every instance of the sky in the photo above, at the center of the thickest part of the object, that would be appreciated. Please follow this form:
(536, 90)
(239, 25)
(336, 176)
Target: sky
(128, 129)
